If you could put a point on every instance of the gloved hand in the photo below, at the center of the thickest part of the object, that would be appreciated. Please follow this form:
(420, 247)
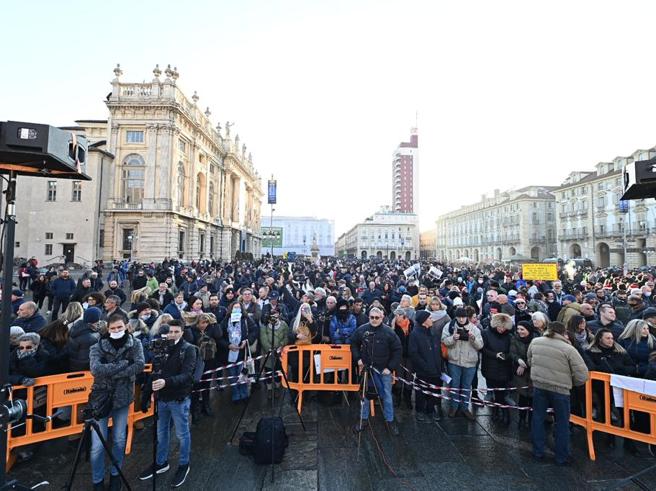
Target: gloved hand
(28, 382)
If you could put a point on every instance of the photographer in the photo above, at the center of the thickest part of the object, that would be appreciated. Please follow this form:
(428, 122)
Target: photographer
(173, 389)
(374, 345)
(463, 341)
(115, 360)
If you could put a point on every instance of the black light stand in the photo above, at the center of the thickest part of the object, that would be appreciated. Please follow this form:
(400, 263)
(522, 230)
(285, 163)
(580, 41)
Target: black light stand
(9, 229)
(273, 352)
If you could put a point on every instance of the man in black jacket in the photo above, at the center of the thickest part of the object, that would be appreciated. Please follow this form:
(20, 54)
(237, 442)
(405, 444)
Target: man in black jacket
(173, 402)
(377, 348)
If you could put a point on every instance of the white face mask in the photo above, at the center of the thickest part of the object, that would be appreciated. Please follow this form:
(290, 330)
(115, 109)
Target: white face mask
(117, 335)
(647, 294)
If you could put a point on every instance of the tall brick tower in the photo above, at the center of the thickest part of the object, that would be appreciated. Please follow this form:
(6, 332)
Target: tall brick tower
(405, 169)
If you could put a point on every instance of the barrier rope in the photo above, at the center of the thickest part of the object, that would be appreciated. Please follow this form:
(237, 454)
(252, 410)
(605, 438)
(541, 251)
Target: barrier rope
(421, 386)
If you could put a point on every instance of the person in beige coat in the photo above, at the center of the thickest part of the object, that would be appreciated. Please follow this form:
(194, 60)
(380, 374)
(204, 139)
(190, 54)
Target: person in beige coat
(463, 341)
(555, 366)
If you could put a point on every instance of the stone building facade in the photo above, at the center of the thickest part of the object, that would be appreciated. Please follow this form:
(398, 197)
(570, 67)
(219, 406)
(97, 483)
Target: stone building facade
(180, 187)
(594, 224)
(385, 234)
(507, 224)
(58, 220)
(168, 184)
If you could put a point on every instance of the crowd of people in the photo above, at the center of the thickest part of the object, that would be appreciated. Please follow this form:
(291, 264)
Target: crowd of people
(468, 329)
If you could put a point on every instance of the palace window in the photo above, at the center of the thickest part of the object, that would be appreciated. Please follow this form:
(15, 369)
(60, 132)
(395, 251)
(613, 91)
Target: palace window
(134, 136)
(133, 178)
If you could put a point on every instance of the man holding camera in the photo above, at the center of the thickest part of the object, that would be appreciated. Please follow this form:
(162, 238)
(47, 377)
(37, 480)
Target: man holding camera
(173, 388)
(463, 341)
(377, 348)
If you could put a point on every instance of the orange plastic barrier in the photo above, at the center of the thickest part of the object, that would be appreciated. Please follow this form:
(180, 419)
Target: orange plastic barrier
(46, 396)
(633, 401)
(336, 370)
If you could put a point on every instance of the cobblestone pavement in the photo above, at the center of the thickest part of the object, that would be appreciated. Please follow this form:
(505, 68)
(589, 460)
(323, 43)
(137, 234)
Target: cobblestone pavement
(452, 454)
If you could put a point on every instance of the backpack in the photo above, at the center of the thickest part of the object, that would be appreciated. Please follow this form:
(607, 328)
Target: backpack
(206, 347)
(199, 369)
(270, 441)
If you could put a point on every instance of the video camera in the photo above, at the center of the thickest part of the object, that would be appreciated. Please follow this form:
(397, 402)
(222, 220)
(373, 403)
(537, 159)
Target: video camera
(160, 346)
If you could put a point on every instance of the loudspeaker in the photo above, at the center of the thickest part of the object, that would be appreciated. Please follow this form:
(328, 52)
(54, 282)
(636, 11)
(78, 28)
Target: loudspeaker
(40, 149)
(639, 180)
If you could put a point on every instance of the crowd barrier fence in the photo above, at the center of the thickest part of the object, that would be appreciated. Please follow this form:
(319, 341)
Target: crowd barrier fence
(53, 392)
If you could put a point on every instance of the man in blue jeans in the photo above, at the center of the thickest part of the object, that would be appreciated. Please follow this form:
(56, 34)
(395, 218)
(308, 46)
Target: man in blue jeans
(173, 390)
(555, 367)
(375, 345)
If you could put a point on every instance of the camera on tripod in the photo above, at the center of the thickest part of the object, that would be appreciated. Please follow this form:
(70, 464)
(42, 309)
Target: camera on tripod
(11, 412)
(160, 346)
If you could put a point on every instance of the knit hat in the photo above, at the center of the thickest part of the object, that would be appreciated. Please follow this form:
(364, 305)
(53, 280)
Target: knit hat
(648, 313)
(457, 301)
(17, 293)
(527, 325)
(569, 298)
(421, 316)
(92, 315)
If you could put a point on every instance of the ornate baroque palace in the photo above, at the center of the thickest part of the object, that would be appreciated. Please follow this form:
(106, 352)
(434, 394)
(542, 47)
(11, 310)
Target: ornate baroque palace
(166, 183)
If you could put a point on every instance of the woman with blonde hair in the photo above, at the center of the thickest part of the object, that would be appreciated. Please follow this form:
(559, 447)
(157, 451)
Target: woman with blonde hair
(540, 322)
(639, 343)
(72, 314)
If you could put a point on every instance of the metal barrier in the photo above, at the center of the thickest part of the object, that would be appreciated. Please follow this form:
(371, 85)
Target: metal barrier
(632, 401)
(319, 367)
(53, 392)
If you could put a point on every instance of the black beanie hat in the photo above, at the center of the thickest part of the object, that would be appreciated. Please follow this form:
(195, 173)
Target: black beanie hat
(421, 316)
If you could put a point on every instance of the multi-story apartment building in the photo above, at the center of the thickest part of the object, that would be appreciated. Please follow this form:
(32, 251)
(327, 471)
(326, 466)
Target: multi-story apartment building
(509, 224)
(593, 223)
(385, 234)
(405, 175)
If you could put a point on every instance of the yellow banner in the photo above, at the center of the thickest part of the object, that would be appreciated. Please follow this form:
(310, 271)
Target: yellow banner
(539, 271)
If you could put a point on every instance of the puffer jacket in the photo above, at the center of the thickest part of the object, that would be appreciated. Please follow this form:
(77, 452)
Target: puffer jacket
(518, 349)
(117, 368)
(555, 364)
(639, 352)
(425, 352)
(612, 360)
(494, 368)
(463, 353)
(81, 338)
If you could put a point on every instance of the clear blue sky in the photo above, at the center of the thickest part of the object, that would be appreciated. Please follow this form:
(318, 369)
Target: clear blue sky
(509, 93)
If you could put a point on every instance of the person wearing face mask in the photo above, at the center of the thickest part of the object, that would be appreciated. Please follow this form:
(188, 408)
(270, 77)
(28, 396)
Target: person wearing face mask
(28, 361)
(145, 313)
(115, 361)
(463, 341)
(342, 324)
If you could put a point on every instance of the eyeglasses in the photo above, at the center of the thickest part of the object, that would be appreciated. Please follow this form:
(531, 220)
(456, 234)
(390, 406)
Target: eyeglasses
(520, 303)
(375, 317)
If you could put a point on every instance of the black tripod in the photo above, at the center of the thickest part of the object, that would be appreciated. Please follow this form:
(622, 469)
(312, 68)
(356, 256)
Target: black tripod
(89, 425)
(273, 352)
